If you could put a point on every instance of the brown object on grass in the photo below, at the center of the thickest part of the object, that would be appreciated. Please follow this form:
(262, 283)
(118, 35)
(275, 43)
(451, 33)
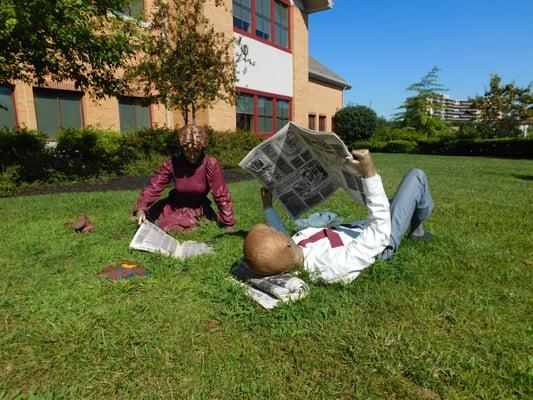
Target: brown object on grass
(82, 224)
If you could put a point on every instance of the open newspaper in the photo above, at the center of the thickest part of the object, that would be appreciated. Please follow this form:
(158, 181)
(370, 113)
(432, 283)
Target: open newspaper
(270, 291)
(150, 237)
(303, 168)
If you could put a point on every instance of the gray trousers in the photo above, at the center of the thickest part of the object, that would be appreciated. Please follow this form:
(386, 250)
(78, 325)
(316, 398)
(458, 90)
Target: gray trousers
(411, 205)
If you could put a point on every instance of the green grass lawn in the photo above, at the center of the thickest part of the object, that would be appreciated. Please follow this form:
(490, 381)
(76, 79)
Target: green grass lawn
(449, 319)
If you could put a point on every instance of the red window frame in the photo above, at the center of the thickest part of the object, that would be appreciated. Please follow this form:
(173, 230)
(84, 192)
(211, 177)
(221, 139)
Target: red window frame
(322, 123)
(272, 40)
(58, 93)
(14, 101)
(275, 98)
(311, 121)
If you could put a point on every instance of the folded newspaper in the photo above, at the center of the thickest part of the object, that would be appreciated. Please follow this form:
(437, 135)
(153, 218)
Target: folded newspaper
(269, 291)
(303, 168)
(151, 238)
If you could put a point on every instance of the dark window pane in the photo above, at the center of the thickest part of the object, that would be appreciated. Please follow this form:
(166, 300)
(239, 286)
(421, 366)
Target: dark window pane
(282, 24)
(322, 123)
(142, 116)
(245, 112)
(127, 115)
(282, 112)
(47, 112)
(56, 110)
(7, 113)
(245, 104)
(244, 122)
(133, 114)
(312, 121)
(242, 14)
(69, 111)
(262, 19)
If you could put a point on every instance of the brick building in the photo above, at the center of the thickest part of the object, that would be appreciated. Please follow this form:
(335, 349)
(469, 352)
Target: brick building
(285, 83)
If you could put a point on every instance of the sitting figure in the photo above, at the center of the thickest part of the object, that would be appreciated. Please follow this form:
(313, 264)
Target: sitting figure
(340, 253)
(193, 174)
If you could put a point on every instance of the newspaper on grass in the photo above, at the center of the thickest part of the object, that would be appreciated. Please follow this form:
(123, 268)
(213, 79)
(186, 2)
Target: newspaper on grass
(269, 291)
(150, 237)
(303, 168)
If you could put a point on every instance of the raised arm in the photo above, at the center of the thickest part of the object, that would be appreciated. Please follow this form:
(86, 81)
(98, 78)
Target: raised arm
(271, 216)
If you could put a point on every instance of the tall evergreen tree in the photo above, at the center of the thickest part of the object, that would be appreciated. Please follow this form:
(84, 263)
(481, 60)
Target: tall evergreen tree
(417, 111)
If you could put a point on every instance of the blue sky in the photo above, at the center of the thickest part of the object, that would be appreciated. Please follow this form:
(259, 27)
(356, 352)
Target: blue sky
(382, 46)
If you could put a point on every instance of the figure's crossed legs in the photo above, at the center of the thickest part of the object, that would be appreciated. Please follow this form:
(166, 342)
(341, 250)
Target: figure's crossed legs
(410, 207)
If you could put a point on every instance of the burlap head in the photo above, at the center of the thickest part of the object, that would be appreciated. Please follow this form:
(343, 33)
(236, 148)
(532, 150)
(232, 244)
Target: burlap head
(268, 251)
(193, 134)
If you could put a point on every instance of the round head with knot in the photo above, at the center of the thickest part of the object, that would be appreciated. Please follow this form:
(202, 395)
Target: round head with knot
(267, 251)
(193, 141)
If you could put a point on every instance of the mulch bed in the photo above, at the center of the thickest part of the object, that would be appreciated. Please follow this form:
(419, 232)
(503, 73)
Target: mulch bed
(120, 183)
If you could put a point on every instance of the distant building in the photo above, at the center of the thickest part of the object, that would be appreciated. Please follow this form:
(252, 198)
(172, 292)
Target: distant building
(452, 110)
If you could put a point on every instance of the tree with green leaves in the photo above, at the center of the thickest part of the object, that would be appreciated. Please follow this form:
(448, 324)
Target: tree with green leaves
(417, 111)
(503, 108)
(78, 40)
(355, 123)
(186, 65)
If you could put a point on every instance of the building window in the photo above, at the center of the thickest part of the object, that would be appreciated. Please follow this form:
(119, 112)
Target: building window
(311, 121)
(265, 114)
(242, 15)
(282, 114)
(262, 114)
(264, 19)
(281, 18)
(133, 114)
(7, 110)
(245, 112)
(57, 109)
(322, 123)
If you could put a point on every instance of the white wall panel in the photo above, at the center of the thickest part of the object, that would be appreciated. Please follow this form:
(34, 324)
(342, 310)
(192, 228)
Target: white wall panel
(272, 71)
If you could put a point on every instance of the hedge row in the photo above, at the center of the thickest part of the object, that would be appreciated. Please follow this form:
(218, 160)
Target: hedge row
(501, 147)
(90, 152)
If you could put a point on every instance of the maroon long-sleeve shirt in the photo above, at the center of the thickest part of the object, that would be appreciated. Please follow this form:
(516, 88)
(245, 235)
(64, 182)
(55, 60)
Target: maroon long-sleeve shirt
(187, 202)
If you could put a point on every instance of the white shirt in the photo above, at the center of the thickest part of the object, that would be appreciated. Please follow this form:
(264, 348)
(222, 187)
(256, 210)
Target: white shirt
(361, 242)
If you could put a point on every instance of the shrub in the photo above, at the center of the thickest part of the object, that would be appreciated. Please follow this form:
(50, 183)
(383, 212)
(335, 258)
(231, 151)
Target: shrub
(373, 146)
(144, 143)
(502, 147)
(355, 123)
(399, 146)
(231, 147)
(27, 150)
(88, 152)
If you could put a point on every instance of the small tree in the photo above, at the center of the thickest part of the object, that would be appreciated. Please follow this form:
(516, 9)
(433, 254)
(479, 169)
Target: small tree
(186, 64)
(503, 108)
(416, 112)
(78, 40)
(355, 123)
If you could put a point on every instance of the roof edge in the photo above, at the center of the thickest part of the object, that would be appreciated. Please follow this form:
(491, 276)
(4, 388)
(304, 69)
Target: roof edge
(327, 79)
(312, 6)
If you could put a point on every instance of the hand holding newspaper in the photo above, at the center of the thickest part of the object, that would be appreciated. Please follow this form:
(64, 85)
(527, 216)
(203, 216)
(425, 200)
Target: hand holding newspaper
(303, 168)
(151, 238)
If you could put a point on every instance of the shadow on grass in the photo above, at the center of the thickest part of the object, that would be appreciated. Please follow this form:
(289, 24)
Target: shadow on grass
(523, 177)
(241, 233)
